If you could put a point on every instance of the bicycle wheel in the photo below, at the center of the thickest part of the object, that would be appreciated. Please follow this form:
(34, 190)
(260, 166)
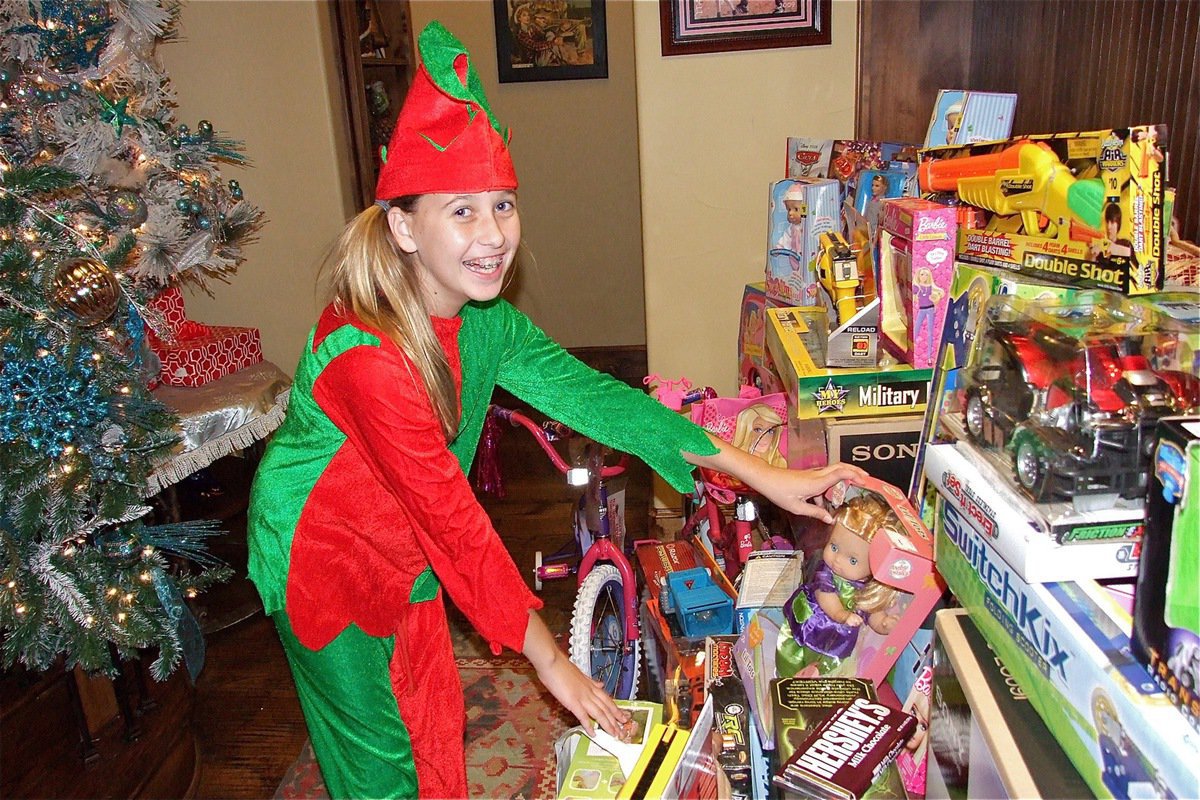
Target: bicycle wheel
(598, 634)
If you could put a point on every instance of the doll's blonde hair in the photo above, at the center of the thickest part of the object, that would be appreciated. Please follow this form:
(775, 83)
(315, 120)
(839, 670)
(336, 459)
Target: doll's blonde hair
(371, 276)
(865, 516)
(744, 437)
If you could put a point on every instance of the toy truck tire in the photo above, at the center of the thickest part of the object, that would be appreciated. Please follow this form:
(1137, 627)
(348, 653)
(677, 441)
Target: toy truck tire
(974, 416)
(1030, 465)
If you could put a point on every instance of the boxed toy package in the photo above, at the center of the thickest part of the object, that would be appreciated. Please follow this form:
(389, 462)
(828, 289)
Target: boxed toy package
(597, 766)
(966, 117)
(731, 724)
(1084, 209)
(1061, 400)
(799, 211)
(755, 367)
(916, 268)
(1066, 645)
(867, 594)
(1166, 622)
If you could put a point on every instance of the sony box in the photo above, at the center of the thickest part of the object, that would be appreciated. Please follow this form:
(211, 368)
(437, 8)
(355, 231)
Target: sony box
(886, 447)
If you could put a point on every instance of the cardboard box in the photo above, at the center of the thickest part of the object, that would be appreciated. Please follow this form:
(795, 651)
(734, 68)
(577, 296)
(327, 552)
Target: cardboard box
(985, 739)
(814, 392)
(194, 353)
(886, 447)
(1105, 545)
(755, 367)
(799, 211)
(916, 267)
(1166, 619)
(964, 117)
(1081, 209)
(587, 770)
(1067, 646)
(731, 715)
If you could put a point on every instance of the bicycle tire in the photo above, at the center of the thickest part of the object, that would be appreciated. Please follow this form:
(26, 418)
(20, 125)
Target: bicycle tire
(598, 634)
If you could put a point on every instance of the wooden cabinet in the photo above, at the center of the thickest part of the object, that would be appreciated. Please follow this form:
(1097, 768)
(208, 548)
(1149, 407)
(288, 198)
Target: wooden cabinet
(375, 57)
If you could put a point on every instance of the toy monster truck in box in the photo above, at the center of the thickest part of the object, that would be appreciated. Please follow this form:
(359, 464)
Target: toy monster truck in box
(1071, 394)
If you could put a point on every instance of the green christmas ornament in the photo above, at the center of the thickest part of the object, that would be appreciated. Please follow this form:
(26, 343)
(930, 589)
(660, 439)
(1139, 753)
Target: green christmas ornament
(85, 291)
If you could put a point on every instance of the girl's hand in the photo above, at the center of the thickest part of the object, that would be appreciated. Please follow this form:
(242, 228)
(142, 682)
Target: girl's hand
(584, 697)
(789, 489)
(579, 694)
(793, 489)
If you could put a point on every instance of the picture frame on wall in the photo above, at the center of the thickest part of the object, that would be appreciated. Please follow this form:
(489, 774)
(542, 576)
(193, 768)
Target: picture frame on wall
(717, 26)
(550, 40)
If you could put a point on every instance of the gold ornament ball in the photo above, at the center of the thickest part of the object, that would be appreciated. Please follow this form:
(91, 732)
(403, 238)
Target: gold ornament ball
(85, 290)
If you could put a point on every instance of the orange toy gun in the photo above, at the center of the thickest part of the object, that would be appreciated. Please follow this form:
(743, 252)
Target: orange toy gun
(1026, 178)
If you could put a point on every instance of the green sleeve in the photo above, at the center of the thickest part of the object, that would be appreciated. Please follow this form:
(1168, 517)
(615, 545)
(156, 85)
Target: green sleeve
(537, 370)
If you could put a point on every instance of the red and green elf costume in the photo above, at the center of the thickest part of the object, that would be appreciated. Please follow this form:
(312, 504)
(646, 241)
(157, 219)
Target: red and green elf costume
(361, 511)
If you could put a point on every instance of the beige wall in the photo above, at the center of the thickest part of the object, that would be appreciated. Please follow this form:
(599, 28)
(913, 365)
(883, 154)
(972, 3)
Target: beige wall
(708, 130)
(258, 72)
(575, 149)
(713, 130)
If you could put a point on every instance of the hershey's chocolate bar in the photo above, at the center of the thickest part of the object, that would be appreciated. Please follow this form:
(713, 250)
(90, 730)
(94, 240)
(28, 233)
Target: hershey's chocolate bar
(844, 755)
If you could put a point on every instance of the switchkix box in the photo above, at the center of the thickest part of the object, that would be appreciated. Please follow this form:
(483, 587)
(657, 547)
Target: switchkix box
(1067, 646)
(1082, 209)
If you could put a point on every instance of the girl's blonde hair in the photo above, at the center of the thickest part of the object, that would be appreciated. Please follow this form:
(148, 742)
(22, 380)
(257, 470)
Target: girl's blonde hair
(865, 516)
(369, 275)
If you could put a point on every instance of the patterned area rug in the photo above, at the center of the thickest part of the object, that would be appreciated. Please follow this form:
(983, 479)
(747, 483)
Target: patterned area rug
(512, 723)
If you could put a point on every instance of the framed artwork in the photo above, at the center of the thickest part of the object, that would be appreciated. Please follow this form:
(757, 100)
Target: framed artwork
(550, 40)
(716, 26)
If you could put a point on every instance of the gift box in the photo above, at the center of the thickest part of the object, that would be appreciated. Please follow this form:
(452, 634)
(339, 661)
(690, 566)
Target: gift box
(192, 354)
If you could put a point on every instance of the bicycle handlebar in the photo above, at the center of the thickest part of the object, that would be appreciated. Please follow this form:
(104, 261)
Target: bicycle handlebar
(549, 432)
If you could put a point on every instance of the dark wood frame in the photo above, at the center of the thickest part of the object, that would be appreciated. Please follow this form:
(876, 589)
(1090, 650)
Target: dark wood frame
(743, 33)
(510, 72)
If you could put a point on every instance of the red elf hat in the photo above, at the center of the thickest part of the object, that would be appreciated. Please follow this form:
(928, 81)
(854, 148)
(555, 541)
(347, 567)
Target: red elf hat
(446, 139)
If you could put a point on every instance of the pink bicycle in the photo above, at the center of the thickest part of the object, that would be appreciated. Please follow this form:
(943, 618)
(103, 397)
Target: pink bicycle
(605, 637)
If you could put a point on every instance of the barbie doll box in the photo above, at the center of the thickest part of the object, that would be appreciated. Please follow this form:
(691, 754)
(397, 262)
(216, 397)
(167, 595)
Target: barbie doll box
(916, 267)
(984, 738)
(799, 211)
(1080, 209)
(1067, 646)
(755, 367)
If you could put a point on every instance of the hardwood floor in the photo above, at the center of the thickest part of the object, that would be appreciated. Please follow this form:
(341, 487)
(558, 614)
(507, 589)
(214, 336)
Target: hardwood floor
(247, 720)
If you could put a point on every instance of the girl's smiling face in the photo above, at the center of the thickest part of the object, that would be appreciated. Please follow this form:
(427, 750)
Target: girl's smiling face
(463, 245)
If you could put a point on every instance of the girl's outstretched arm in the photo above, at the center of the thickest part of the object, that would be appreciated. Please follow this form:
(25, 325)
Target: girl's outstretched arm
(790, 489)
(579, 694)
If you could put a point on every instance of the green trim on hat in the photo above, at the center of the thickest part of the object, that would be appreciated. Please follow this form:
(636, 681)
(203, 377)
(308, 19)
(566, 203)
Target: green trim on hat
(439, 49)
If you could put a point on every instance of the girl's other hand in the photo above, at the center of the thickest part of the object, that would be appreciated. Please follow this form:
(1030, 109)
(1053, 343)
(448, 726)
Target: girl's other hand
(584, 697)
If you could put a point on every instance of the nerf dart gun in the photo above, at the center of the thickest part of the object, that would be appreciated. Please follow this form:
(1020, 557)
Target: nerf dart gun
(1027, 179)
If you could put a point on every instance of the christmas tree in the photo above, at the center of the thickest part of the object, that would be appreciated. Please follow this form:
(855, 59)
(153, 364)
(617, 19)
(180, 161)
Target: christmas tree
(104, 201)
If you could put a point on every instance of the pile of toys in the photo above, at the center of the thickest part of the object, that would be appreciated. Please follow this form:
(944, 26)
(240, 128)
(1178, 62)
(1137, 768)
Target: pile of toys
(1000, 302)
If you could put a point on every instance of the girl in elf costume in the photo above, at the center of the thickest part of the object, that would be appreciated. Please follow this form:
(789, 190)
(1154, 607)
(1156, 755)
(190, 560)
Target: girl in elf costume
(361, 512)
